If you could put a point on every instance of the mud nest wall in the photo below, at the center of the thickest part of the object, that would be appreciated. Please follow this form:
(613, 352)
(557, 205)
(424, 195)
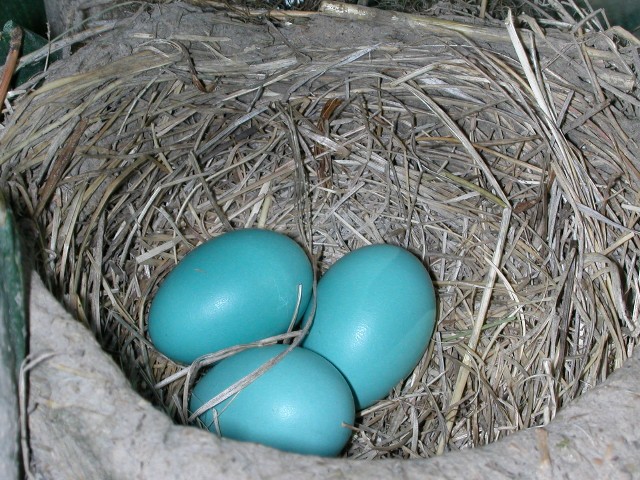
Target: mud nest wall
(505, 158)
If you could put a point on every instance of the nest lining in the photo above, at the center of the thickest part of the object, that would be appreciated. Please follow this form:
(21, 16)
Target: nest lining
(518, 192)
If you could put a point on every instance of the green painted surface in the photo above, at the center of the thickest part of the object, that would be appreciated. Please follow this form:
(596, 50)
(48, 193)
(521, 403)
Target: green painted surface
(12, 342)
(12, 285)
(30, 43)
(31, 17)
(29, 14)
(625, 13)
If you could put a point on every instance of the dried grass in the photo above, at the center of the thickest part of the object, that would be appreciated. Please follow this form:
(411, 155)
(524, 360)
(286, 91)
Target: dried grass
(509, 174)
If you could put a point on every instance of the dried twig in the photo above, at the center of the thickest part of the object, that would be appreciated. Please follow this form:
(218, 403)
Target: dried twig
(15, 43)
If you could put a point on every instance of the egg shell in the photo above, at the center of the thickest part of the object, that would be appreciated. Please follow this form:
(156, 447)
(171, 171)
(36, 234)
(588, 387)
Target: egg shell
(237, 288)
(376, 310)
(298, 405)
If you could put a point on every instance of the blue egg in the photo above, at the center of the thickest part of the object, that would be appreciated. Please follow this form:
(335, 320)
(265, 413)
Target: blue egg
(376, 310)
(298, 405)
(236, 288)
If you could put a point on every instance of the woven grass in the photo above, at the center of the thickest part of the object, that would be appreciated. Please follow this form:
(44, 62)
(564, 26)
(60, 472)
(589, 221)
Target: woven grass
(506, 160)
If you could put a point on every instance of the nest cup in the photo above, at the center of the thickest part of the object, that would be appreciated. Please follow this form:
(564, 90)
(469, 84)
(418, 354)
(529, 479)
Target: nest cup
(505, 160)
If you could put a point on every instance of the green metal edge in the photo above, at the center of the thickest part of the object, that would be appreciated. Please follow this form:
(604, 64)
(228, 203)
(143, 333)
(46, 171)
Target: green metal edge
(12, 295)
(31, 14)
(13, 332)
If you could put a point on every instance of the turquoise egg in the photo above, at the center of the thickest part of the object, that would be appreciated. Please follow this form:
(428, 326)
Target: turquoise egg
(298, 405)
(376, 310)
(236, 288)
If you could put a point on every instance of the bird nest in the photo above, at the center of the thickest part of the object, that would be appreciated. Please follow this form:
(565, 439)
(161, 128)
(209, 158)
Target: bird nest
(504, 157)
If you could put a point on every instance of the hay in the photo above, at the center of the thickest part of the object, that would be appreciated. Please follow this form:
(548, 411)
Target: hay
(506, 160)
